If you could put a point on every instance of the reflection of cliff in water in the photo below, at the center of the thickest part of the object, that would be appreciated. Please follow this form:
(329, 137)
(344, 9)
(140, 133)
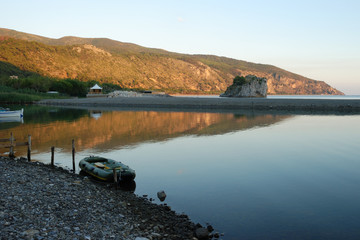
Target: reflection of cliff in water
(114, 130)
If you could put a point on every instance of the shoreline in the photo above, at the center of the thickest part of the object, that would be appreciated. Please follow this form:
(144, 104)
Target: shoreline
(228, 104)
(41, 202)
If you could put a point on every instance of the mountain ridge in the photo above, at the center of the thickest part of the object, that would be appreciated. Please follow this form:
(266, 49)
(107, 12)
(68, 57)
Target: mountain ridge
(133, 66)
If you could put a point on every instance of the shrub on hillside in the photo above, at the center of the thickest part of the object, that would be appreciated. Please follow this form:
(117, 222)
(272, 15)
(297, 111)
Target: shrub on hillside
(239, 80)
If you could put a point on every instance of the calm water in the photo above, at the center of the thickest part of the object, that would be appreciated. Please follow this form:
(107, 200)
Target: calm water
(251, 176)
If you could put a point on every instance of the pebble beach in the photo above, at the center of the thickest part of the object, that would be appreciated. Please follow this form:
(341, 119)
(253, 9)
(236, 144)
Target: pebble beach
(41, 202)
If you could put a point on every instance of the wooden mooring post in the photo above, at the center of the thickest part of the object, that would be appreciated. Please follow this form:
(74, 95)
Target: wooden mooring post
(29, 148)
(12, 144)
(73, 154)
(115, 178)
(11, 152)
(52, 156)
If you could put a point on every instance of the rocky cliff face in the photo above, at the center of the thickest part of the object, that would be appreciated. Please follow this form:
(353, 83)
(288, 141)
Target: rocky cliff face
(249, 86)
(292, 84)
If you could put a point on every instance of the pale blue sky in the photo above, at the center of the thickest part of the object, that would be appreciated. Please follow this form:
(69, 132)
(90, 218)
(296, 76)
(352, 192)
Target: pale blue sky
(318, 39)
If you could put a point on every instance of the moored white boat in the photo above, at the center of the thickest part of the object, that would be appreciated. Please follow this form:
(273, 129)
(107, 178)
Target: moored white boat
(4, 113)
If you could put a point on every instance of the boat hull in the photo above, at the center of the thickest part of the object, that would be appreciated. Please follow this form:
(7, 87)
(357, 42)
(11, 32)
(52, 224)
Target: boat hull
(12, 114)
(102, 168)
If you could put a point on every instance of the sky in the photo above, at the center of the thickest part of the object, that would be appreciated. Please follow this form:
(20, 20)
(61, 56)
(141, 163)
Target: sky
(314, 38)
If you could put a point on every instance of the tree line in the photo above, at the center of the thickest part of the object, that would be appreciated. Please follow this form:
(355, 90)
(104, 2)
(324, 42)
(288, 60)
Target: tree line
(40, 84)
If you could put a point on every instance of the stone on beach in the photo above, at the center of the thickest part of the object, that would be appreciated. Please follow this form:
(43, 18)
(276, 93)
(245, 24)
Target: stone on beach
(161, 195)
(202, 233)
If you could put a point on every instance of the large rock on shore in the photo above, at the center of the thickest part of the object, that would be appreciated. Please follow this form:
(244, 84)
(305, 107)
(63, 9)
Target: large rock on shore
(249, 86)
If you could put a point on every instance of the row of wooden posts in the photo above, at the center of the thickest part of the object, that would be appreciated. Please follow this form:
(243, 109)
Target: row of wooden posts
(52, 163)
(13, 143)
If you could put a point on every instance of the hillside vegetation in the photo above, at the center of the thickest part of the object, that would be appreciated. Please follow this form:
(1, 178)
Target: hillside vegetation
(132, 66)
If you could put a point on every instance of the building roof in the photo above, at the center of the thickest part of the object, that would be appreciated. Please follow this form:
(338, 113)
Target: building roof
(96, 87)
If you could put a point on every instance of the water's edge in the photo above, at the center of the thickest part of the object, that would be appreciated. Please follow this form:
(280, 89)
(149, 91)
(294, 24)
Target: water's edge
(178, 103)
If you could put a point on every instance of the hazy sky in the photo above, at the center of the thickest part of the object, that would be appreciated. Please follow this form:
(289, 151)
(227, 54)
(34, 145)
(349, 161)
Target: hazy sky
(318, 39)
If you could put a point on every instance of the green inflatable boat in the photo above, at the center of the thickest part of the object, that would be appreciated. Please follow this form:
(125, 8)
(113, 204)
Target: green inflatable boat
(102, 168)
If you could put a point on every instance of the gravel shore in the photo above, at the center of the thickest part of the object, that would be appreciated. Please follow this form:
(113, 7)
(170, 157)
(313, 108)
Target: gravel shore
(173, 103)
(41, 202)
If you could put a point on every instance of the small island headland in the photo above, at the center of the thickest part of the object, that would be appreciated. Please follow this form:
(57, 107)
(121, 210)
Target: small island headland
(249, 86)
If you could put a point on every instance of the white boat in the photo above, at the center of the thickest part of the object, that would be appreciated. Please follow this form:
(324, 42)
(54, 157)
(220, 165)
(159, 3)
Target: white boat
(5, 113)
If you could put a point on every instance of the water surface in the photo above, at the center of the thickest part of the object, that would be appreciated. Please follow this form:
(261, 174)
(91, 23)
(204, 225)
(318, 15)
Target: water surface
(252, 176)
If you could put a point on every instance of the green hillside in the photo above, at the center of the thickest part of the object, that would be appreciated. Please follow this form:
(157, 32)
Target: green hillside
(133, 66)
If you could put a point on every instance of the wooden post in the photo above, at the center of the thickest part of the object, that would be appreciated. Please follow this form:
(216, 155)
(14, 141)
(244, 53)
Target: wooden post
(11, 152)
(115, 178)
(29, 148)
(115, 175)
(52, 156)
(73, 154)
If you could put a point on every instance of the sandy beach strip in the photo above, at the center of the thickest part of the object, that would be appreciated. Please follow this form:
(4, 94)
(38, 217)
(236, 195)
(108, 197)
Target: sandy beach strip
(153, 102)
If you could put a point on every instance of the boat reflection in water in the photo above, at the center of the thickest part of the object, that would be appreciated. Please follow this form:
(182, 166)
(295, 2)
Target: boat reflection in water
(95, 114)
(128, 186)
(12, 119)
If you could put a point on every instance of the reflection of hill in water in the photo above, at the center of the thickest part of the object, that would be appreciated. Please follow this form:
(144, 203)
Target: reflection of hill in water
(41, 114)
(117, 129)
